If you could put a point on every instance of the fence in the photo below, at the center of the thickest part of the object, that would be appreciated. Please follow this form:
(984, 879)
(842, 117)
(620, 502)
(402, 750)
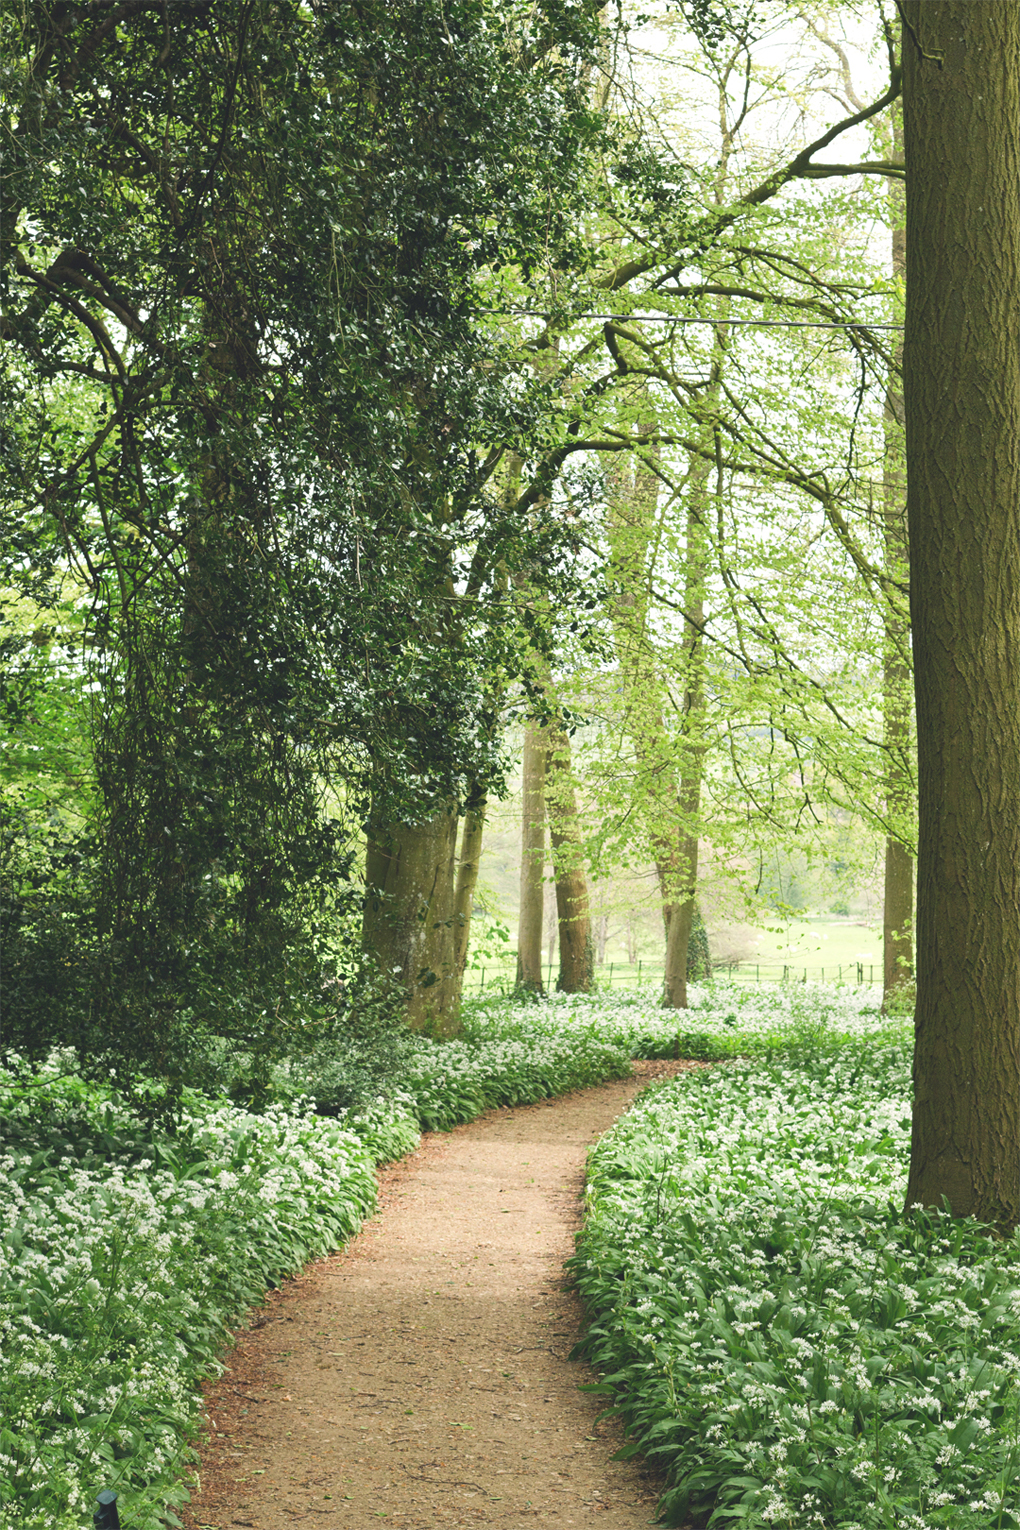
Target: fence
(105, 1516)
(500, 976)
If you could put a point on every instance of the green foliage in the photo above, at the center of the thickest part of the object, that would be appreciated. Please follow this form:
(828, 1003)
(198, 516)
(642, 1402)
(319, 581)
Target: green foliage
(505, 1055)
(699, 958)
(356, 1054)
(490, 937)
(772, 1330)
(506, 1058)
(126, 1256)
(255, 421)
(47, 934)
(722, 1020)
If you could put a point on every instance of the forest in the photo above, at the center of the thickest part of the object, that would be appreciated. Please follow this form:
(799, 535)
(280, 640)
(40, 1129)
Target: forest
(412, 409)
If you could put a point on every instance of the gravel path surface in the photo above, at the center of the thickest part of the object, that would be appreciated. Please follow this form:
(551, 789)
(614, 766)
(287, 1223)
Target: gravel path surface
(419, 1378)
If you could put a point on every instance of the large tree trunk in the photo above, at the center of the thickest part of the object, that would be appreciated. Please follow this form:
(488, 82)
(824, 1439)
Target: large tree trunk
(532, 910)
(898, 903)
(962, 397)
(408, 921)
(464, 892)
(577, 951)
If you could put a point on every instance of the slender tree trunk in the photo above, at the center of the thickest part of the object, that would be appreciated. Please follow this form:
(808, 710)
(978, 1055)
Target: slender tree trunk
(409, 918)
(577, 952)
(693, 759)
(530, 921)
(682, 920)
(898, 903)
(962, 398)
(633, 502)
(467, 880)
(601, 937)
(552, 929)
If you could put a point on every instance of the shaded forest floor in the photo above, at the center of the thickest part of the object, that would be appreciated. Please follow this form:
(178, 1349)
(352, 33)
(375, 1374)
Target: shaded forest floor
(420, 1377)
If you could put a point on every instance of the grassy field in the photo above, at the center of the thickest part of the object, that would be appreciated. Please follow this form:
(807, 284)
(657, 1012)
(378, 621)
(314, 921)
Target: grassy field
(819, 949)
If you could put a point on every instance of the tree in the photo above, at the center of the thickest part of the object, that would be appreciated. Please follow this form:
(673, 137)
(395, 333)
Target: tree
(529, 923)
(770, 463)
(566, 839)
(961, 110)
(241, 249)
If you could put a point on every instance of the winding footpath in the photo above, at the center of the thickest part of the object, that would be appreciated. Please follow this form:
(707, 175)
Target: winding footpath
(420, 1377)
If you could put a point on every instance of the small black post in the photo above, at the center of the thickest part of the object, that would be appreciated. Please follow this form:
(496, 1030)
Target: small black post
(105, 1516)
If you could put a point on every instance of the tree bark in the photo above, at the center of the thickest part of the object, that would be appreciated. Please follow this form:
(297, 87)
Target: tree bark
(633, 501)
(532, 909)
(898, 922)
(409, 917)
(897, 708)
(601, 938)
(962, 398)
(577, 951)
(464, 892)
(685, 893)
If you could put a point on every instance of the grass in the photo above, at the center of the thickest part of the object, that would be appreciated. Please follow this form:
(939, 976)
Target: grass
(815, 947)
(816, 940)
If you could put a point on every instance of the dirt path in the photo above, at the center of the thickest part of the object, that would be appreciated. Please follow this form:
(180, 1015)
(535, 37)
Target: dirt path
(420, 1377)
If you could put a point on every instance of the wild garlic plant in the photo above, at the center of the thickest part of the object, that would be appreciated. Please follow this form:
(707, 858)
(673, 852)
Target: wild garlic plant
(776, 1334)
(122, 1262)
(125, 1256)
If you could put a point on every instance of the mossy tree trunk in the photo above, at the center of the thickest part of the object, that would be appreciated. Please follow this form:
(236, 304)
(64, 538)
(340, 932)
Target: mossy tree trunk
(408, 925)
(577, 950)
(962, 400)
(532, 902)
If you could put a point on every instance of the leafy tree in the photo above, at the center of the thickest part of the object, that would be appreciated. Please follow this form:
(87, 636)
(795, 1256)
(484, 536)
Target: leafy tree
(241, 247)
(792, 461)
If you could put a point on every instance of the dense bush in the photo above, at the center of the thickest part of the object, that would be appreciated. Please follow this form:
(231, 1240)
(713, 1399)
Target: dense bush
(47, 932)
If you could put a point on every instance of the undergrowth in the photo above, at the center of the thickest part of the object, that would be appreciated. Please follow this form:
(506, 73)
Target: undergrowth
(126, 1254)
(773, 1331)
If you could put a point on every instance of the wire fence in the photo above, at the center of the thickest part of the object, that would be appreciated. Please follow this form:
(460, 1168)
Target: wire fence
(498, 976)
